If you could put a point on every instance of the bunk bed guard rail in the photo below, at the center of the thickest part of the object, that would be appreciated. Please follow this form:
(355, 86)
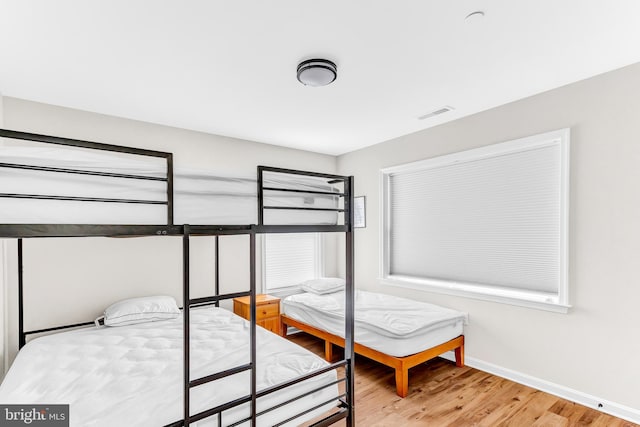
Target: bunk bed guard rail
(76, 230)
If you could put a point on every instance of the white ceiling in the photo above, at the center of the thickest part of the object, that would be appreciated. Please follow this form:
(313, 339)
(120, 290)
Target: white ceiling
(229, 67)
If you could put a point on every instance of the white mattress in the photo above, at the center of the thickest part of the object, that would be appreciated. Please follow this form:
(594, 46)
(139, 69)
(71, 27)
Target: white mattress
(132, 375)
(392, 325)
(199, 197)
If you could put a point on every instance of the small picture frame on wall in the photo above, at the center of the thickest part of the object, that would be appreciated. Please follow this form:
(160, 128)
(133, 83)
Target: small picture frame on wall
(359, 212)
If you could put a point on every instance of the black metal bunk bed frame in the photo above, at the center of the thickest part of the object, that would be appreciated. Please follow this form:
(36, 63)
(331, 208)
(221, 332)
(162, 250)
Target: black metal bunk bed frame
(20, 231)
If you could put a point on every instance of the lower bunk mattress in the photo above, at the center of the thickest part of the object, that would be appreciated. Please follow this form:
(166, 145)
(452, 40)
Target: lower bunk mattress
(395, 326)
(132, 375)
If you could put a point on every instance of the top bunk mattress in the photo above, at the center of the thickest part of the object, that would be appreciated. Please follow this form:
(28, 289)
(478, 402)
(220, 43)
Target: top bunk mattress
(200, 197)
(132, 375)
(392, 325)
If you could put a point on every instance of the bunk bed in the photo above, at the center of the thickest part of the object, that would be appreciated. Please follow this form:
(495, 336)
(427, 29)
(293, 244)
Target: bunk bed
(311, 388)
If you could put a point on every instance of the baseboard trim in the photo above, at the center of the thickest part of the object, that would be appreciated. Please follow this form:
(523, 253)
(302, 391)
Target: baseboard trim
(594, 402)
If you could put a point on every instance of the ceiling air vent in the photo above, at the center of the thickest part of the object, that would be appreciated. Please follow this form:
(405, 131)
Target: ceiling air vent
(442, 110)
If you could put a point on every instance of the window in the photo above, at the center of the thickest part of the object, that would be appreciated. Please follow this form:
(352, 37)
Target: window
(290, 259)
(489, 223)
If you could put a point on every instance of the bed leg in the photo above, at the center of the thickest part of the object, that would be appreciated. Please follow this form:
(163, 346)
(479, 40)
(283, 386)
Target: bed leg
(402, 381)
(283, 329)
(460, 356)
(328, 351)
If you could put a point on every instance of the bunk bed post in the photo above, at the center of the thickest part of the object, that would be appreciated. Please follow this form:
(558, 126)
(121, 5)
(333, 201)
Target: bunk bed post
(252, 290)
(186, 326)
(217, 289)
(217, 273)
(349, 320)
(22, 339)
(170, 189)
(260, 196)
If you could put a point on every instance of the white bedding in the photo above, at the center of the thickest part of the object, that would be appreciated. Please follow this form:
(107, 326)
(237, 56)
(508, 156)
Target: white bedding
(132, 375)
(199, 197)
(392, 325)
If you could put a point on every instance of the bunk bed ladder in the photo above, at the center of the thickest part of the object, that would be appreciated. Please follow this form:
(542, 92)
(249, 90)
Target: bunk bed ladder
(197, 302)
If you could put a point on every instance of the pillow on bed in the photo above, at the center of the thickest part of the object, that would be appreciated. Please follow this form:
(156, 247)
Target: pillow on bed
(138, 310)
(325, 285)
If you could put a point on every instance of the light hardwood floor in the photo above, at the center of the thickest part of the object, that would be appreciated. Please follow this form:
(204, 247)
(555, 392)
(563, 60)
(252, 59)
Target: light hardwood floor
(440, 394)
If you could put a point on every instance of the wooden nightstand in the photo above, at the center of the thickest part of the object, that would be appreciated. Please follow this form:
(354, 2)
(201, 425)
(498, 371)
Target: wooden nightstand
(267, 311)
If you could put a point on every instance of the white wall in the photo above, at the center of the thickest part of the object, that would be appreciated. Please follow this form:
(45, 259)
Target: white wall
(73, 280)
(594, 348)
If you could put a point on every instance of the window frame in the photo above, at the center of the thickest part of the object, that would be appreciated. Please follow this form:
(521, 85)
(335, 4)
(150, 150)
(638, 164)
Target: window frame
(545, 301)
(290, 290)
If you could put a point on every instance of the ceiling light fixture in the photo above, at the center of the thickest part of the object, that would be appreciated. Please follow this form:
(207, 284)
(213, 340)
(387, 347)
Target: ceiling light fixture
(317, 72)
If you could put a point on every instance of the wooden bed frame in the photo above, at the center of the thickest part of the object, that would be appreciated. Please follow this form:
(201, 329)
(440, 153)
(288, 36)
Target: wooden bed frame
(400, 364)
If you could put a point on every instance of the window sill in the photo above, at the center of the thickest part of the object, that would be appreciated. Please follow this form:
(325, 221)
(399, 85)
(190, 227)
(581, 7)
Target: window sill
(547, 302)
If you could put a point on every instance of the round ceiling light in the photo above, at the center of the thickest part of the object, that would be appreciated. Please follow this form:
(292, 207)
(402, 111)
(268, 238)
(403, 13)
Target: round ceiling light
(317, 72)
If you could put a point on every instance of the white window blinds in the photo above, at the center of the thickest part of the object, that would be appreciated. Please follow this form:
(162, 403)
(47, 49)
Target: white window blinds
(290, 259)
(493, 217)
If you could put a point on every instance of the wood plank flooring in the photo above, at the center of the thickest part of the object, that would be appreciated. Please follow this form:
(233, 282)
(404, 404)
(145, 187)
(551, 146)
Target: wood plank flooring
(442, 395)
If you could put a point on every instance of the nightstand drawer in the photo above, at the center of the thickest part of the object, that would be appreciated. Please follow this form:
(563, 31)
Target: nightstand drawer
(266, 311)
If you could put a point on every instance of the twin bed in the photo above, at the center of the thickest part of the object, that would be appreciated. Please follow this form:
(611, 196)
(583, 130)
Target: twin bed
(397, 332)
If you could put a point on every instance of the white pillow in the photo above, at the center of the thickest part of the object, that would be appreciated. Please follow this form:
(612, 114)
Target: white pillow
(325, 285)
(138, 310)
